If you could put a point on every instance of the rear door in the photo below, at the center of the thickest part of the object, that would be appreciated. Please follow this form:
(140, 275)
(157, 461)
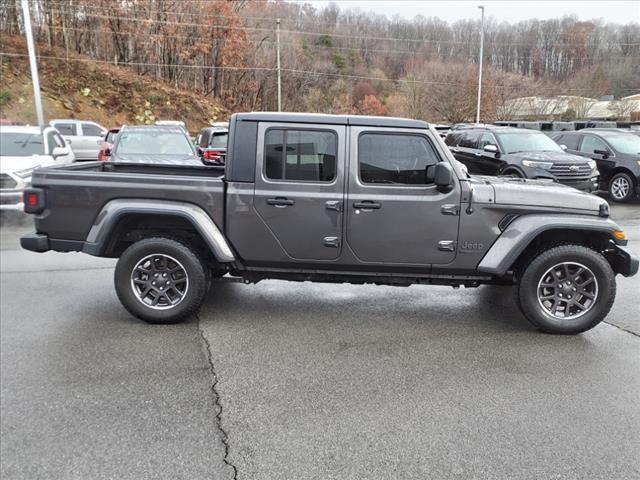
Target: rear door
(468, 152)
(299, 187)
(90, 140)
(395, 213)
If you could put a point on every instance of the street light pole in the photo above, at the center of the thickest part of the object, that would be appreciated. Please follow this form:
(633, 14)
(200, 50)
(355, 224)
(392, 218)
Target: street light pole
(32, 62)
(481, 7)
(278, 63)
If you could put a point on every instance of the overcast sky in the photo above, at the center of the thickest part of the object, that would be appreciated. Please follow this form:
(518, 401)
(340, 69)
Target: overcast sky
(510, 11)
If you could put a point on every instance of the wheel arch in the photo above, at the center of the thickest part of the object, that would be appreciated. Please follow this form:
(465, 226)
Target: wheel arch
(621, 169)
(528, 234)
(177, 219)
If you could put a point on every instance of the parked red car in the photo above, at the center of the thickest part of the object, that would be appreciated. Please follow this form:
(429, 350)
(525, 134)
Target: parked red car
(107, 144)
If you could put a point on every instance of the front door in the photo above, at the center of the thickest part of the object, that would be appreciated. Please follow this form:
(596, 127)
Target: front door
(299, 189)
(395, 213)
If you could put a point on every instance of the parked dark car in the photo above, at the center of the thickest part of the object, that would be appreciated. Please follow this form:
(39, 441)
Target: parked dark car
(331, 198)
(516, 152)
(617, 154)
(164, 144)
(211, 144)
(107, 144)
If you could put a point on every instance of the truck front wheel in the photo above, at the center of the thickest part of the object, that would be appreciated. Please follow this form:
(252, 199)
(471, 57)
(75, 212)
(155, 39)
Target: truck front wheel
(160, 280)
(567, 289)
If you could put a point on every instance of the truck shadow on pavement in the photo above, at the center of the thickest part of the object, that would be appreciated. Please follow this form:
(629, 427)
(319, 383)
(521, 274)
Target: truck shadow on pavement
(486, 308)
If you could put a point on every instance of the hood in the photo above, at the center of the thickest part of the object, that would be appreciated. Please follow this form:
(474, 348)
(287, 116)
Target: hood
(551, 157)
(541, 193)
(14, 164)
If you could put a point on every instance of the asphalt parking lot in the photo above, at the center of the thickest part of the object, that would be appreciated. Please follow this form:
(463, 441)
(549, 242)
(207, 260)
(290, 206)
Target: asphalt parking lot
(293, 381)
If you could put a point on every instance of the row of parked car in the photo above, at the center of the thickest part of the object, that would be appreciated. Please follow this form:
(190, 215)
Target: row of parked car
(24, 148)
(589, 159)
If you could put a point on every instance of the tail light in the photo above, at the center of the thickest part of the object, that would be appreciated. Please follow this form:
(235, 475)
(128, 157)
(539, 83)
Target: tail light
(212, 155)
(33, 199)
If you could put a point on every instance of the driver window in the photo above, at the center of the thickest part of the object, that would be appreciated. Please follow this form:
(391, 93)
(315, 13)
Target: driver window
(486, 139)
(591, 143)
(396, 159)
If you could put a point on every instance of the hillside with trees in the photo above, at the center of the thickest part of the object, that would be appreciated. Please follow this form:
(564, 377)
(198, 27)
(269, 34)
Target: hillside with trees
(332, 60)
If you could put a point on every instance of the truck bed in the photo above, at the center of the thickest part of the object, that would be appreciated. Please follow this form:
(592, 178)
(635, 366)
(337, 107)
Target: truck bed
(76, 193)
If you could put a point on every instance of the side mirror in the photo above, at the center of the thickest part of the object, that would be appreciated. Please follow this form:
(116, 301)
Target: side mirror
(443, 177)
(604, 153)
(563, 147)
(490, 148)
(59, 152)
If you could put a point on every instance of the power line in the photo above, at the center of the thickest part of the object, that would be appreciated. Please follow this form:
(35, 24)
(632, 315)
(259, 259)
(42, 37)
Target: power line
(314, 47)
(318, 34)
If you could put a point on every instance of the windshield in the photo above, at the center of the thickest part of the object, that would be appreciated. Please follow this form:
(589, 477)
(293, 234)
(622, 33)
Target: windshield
(154, 143)
(14, 144)
(527, 142)
(625, 143)
(219, 140)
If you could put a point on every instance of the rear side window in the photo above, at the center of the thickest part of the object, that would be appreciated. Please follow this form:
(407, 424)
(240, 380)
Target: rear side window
(218, 140)
(470, 140)
(91, 130)
(300, 155)
(396, 159)
(66, 128)
(452, 139)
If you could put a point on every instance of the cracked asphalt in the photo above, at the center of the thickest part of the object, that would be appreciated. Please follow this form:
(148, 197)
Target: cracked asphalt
(294, 381)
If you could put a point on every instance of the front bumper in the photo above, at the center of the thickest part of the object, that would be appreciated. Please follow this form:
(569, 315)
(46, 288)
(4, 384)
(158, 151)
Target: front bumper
(584, 184)
(623, 261)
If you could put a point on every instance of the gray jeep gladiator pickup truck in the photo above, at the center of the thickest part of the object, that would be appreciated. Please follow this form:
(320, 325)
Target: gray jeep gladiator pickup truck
(325, 198)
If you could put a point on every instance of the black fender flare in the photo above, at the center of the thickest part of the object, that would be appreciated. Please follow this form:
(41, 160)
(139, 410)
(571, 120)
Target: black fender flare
(113, 211)
(523, 230)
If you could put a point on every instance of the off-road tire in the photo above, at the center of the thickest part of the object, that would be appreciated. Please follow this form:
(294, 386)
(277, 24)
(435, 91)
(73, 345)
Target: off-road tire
(192, 265)
(532, 276)
(615, 183)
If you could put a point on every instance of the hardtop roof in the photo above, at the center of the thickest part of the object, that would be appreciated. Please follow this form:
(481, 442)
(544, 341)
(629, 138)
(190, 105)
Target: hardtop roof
(359, 120)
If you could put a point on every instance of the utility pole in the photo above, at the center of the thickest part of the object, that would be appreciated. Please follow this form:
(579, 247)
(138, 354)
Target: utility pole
(278, 63)
(32, 62)
(481, 7)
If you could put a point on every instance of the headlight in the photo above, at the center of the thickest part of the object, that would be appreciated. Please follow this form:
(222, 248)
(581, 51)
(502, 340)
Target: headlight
(24, 173)
(534, 164)
(592, 164)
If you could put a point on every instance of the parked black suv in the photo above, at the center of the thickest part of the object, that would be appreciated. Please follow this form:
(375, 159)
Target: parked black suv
(617, 154)
(516, 152)
(211, 144)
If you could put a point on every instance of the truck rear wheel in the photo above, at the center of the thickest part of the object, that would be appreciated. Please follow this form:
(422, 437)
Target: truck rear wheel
(160, 280)
(567, 289)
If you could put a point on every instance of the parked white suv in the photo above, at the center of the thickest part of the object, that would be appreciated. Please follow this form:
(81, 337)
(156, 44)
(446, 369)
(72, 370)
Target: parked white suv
(85, 137)
(23, 149)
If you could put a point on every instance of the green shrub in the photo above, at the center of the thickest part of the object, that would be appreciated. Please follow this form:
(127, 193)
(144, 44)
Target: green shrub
(5, 97)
